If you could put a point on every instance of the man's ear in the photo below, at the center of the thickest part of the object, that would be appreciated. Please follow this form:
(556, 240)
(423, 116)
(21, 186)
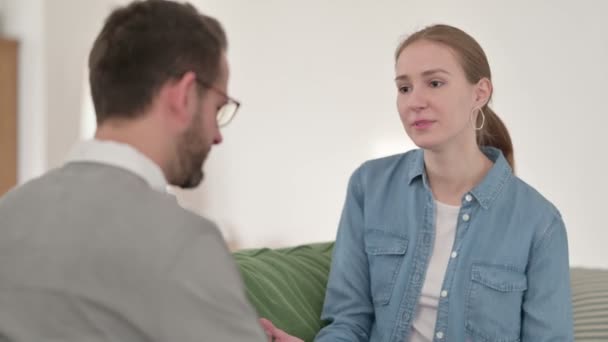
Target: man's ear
(483, 92)
(180, 97)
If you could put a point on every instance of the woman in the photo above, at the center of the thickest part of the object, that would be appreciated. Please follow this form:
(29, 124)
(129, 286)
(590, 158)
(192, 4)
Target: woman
(445, 243)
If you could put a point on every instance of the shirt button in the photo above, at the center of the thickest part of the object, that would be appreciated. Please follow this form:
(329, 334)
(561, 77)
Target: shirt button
(444, 293)
(468, 198)
(454, 255)
(466, 217)
(439, 335)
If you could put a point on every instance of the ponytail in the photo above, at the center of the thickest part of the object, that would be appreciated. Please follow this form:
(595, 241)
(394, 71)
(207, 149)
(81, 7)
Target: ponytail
(494, 133)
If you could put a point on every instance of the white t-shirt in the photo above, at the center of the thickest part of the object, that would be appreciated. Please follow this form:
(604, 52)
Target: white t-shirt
(423, 326)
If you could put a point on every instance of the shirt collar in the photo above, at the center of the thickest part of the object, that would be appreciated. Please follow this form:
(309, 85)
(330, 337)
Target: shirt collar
(120, 155)
(490, 186)
(416, 168)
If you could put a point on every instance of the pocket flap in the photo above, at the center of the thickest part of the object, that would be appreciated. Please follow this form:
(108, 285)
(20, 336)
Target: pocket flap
(499, 278)
(380, 242)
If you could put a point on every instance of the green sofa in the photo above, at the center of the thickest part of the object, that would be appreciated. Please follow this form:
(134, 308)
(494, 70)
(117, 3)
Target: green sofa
(287, 286)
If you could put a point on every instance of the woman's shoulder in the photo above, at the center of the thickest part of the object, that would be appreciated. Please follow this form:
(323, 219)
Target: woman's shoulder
(405, 160)
(532, 198)
(390, 170)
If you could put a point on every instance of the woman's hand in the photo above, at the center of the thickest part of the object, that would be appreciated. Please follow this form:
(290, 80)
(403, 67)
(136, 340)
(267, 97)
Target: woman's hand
(275, 334)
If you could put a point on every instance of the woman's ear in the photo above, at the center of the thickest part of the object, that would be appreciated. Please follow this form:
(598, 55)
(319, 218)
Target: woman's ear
(483, 92)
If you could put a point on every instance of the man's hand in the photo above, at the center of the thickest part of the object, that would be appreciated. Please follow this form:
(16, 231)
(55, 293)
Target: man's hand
(275, 334)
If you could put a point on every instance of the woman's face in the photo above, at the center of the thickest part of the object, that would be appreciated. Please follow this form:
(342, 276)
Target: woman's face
(435, 100)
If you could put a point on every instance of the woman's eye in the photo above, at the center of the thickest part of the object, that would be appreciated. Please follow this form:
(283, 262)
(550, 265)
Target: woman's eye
(404, 89)
(436, 84)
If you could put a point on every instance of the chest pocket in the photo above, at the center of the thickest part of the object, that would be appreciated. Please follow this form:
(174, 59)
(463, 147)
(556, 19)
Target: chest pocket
(385, 253)
(494, 303)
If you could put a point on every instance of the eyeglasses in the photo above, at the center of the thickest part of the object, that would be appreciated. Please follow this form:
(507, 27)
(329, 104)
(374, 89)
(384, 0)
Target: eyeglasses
(228, 111)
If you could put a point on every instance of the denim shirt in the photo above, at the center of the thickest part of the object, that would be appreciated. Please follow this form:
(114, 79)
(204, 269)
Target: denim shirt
(508, 274)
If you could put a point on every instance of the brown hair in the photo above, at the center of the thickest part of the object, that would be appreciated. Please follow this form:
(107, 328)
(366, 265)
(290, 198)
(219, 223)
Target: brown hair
(145, 44)
(475, 65)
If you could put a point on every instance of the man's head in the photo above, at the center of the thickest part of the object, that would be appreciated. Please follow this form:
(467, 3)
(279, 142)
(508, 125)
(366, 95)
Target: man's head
(159, 77)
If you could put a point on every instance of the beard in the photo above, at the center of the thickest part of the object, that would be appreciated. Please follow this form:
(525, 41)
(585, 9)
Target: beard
(191, 155)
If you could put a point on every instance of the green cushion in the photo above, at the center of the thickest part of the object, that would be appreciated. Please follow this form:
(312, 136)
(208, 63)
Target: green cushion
(590, 304)
(287, 286)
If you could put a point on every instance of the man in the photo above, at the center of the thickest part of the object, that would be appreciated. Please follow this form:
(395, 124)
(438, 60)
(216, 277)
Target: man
(97, 250)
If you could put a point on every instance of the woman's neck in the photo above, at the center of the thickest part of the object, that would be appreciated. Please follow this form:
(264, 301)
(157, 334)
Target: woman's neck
(453, 172)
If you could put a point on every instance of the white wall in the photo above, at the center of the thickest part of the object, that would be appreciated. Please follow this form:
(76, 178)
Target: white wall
(54, 42)
(24, 20)
(69, 38)
(315, 79)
